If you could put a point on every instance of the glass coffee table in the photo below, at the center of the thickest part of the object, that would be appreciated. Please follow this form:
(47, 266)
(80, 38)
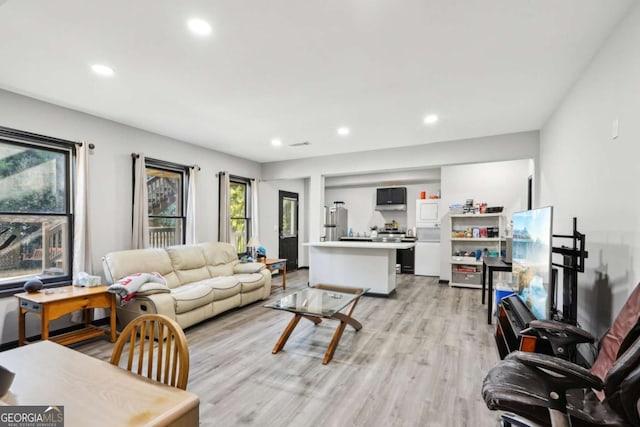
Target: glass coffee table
(316, 303)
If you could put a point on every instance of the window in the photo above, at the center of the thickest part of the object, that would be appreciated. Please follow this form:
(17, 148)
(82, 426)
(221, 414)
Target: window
(166, 190)
(239, 212)
(289, 217)
(36, 226)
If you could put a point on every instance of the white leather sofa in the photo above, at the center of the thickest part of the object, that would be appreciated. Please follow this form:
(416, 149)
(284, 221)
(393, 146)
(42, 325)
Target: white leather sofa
(203, 280)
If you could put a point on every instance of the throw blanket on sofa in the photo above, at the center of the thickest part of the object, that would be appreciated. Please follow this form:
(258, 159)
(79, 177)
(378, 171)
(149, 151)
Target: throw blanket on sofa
(127, 287)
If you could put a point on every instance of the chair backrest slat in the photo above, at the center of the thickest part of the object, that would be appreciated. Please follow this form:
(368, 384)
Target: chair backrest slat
(171, 357)
(160, 352)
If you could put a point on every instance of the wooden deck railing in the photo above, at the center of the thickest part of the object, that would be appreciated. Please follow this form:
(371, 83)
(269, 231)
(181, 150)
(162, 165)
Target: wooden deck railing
(161, 237)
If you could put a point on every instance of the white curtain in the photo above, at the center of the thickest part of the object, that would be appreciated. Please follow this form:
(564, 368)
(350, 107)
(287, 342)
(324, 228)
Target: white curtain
(140, 236)
(81, 235)
(224, 223)
(191, 206)
(254, 209)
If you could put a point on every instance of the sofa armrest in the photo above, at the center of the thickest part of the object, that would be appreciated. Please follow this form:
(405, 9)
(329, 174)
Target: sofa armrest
(248, 268)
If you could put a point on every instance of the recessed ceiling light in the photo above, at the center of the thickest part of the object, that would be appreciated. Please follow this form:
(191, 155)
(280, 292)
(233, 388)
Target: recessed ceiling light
(102, 70)
(276, 142)
(199, 27)
(344, 131)
(431, 119)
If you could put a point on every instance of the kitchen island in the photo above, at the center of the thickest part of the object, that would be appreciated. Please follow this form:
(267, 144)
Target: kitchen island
(355, 264)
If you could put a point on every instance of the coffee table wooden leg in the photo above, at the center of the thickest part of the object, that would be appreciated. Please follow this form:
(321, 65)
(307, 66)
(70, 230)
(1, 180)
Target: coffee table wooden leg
(314, 319)
(287, 332)
(334, 343)
(346, 319)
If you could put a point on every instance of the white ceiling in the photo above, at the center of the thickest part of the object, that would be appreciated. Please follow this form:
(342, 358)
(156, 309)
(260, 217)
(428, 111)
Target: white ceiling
(298, 70)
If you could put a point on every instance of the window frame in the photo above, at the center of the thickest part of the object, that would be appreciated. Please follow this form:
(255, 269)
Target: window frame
(162, 165)
(234, 179)
(30, 140)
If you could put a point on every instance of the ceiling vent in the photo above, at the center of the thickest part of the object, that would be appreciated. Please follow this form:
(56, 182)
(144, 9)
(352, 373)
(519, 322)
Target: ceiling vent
(300, 144)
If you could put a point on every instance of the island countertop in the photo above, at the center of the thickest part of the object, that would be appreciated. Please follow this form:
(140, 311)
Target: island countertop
(362, 245)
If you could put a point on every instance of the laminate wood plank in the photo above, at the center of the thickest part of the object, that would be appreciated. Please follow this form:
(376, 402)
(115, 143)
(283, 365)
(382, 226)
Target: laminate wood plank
(419, 360)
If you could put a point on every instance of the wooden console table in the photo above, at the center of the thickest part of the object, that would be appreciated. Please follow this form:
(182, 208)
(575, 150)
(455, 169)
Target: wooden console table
(277, 264)
(50, 304)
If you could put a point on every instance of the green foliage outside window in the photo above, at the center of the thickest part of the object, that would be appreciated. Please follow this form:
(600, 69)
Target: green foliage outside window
(33, 181)
(238, 214)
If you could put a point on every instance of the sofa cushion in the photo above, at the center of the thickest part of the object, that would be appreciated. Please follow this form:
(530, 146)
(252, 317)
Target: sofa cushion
(219, 257)
(249, 282)
(125, 263)
(220, 270)
(223, 287)
(188, 263)
(189, 297)
(217, 253)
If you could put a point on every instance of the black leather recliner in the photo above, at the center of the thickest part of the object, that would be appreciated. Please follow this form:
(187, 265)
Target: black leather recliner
(551, 391)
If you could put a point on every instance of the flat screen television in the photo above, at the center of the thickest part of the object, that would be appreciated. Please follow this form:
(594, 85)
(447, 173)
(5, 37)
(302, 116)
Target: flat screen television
(531, 259)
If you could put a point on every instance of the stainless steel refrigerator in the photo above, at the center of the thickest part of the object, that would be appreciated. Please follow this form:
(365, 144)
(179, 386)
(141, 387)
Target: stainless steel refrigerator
(335, 223)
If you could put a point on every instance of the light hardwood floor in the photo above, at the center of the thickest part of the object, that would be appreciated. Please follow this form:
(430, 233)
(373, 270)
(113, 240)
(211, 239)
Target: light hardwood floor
(419, 360)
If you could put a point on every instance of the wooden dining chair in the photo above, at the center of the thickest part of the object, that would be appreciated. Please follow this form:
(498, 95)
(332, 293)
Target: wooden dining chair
(167, 362)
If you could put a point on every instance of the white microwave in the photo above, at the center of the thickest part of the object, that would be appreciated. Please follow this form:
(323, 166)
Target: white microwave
(427, 212)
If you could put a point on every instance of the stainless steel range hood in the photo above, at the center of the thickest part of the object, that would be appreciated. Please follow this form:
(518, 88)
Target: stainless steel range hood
(391, 207)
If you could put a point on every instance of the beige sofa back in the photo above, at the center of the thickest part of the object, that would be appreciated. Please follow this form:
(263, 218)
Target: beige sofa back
(177, 264)
(124, 263)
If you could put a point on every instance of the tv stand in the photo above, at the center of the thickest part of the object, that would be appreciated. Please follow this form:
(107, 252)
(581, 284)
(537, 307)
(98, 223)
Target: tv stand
(511, 334)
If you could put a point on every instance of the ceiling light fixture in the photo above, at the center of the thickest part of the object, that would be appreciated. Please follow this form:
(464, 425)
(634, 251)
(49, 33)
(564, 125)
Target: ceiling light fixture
(102, 70)
(431, 119)
(276, 142)
(343, 131)
(199, 27)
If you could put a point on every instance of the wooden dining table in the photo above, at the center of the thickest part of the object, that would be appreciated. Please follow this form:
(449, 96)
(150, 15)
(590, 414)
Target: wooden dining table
(92, 391)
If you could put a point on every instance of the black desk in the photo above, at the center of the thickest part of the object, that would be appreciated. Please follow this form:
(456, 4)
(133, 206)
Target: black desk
(493, 264)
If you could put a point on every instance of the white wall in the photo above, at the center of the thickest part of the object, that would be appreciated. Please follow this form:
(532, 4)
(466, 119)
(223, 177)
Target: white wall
(497, 184)
(361, 201)
(110, 175)
(522, 145)
(269, 233)
(587, 174)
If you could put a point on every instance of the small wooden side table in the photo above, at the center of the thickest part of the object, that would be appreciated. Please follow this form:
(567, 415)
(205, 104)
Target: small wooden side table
(277, 264)
(50, 304)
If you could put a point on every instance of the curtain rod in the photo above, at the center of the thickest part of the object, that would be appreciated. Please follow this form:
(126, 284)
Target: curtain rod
(195, 166)
(31, 137)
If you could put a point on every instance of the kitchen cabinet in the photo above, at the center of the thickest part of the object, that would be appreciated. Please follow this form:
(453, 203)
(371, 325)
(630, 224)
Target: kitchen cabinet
(471, 233)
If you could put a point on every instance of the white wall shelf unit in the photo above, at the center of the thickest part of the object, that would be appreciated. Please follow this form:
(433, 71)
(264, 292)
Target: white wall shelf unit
(470, 233)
